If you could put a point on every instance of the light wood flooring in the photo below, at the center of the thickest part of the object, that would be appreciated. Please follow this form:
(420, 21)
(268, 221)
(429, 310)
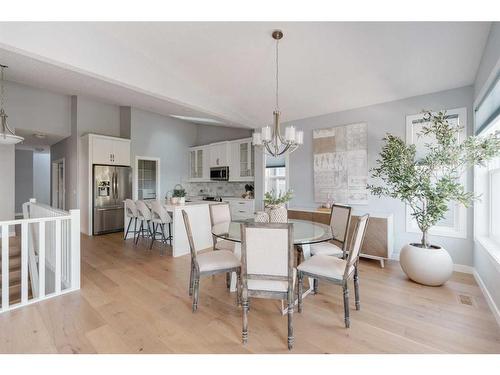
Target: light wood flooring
(134, 301)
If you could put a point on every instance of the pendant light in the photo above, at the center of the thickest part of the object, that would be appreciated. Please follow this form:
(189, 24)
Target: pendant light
(7, 135)
(271, 139)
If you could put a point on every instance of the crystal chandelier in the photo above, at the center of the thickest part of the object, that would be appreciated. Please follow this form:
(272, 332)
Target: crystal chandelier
(7, 135)
(271, 139)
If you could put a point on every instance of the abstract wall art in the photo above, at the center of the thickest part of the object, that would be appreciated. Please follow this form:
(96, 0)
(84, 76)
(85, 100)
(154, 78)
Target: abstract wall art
(341, 164)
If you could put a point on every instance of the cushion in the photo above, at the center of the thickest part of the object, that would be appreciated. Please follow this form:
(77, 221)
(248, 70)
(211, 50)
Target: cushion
(271, 285)
(217, 260)
(224, 245)
(324, 265)
(326, 248)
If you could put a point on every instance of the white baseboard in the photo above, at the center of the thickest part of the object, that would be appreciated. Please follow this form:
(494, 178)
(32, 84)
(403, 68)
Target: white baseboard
(491, 303)
(463, 268)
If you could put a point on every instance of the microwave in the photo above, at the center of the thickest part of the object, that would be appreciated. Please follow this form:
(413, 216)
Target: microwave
(219, 173)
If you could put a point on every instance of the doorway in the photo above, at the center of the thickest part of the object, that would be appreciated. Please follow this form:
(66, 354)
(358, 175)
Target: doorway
(58, 183)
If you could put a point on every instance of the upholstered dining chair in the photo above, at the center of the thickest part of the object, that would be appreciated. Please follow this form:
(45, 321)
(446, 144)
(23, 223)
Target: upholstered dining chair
(144, 216)
(208, 263)
(221, 213)
(267, 270)
(340, 218)
(337, 270)
(159, 218)
(131, 213)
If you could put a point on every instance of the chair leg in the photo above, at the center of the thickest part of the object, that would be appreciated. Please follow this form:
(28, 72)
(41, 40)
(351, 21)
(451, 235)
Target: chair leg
(139, 233)
(315, 286)
(191, 280)
(196, 292)
(300, 289)
(238, 288)
(290, 323)
(244, 333)
(356, 288)
(228, 279)
(346, 304)
(128, 228)
(153, 236)
(135, 227)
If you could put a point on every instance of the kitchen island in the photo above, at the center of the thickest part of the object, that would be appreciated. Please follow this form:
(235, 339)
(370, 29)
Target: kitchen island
(199, 216)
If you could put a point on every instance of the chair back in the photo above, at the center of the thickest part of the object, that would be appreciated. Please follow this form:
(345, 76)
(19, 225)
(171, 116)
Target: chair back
(340, 218)
(158, 212)
(267, 253)
(356, 243)
(130, 208)
(187, 225)
(143, 210)
(220, 213)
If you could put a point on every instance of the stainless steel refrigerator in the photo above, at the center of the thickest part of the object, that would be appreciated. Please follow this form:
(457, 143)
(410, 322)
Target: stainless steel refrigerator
(112, 185)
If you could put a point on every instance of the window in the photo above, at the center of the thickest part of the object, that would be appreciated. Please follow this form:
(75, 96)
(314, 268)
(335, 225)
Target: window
(276, 179)
(487, 186)
(454, 224)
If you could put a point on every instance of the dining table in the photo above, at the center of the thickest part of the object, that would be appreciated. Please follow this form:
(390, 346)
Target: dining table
(305, 233)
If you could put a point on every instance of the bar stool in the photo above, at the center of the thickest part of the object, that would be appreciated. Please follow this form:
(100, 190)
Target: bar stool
(160, 217)
(131, 213)
(144, 216)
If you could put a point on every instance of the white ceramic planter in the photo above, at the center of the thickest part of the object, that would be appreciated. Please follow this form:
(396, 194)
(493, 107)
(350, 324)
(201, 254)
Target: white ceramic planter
(431, 267)
(277, 214)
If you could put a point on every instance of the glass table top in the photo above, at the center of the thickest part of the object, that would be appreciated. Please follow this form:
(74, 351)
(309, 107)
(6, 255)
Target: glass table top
(304, 232)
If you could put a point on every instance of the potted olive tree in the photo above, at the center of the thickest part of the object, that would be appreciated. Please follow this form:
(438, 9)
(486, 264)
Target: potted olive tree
(427, 185)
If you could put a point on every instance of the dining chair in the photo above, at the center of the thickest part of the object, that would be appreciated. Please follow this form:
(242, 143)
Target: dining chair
(159, 218)
(144, 216)
(267, 270)
(337, 270)
(131, 213)
(208, 263)
(221, 213)
(340, 218)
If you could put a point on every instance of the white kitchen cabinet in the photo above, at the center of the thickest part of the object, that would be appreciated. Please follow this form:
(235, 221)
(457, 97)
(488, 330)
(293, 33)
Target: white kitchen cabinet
(109, 150)
(241, 209)
(219, 154)
(198, 164)
(241, 166)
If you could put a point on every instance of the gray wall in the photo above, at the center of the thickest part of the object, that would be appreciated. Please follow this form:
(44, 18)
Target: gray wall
(41, 177)
(7, 182)
(485, 265)
(381, 118)
(210, 134)
(24, 178)
(38, 110)
(164, 137)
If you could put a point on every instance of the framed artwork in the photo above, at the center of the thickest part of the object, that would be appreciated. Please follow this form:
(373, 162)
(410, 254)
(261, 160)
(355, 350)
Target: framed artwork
(341, 164)
(455, 222)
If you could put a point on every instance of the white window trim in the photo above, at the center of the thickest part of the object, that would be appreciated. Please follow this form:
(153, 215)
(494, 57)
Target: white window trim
(459, 230)
(136, 176)
(494, 239)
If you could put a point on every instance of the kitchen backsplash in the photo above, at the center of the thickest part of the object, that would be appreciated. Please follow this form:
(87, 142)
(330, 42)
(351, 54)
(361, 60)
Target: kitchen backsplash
(222, 189)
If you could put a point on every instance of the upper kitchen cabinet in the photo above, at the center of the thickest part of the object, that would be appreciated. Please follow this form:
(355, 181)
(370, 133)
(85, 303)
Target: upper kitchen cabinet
(218, 154)
(199, 164)
(241, 167)
(109, 150)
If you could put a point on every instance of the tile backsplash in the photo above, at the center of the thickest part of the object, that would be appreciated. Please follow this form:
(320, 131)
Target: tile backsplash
(223, 189)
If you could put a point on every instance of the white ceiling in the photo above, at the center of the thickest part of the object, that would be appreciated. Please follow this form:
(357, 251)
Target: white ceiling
(225, 71)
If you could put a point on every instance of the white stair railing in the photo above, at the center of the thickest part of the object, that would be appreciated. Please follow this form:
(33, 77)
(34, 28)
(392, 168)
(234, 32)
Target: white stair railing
(50, 253)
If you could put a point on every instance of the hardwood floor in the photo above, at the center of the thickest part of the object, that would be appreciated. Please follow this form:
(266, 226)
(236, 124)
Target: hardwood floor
(134, 301)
